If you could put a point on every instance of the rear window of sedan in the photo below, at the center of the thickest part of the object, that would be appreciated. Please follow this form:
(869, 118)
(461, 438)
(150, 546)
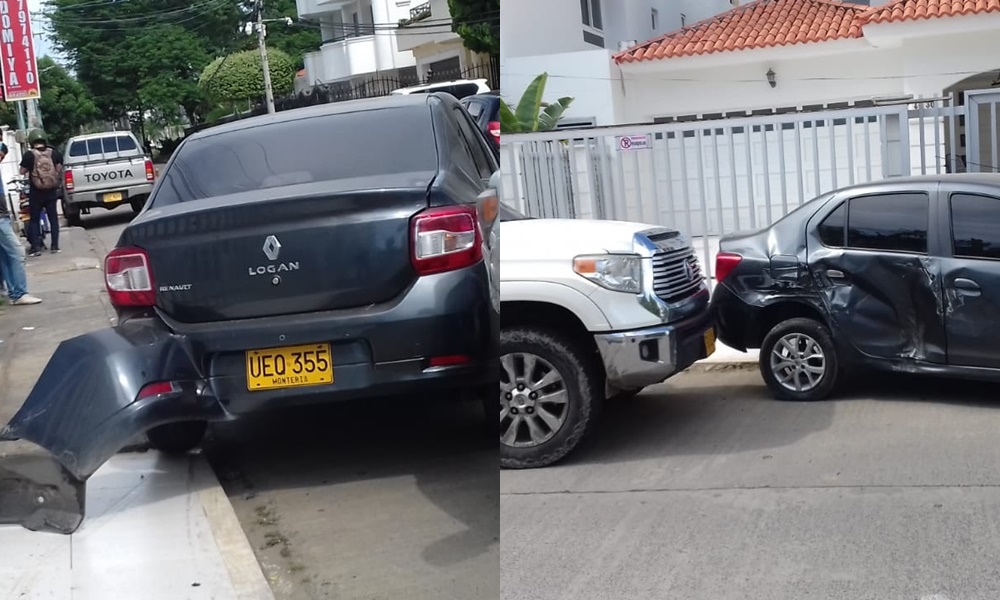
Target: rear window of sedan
(308, 150)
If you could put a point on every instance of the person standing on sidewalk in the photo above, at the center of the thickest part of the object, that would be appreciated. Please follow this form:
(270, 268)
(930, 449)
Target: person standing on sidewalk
(11, 259)
(44, 165)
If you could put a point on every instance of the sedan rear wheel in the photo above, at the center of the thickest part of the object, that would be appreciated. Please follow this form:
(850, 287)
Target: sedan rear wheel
(799, 361)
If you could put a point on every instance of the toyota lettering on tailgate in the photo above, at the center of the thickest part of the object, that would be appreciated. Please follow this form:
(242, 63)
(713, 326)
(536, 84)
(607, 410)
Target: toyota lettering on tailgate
(108, 176)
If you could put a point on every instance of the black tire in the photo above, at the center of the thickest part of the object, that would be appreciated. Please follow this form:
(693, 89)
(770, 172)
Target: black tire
(623, 395)
(177, 438)
(821, 335)
(584, 385)
(72, 214)
(138, 204)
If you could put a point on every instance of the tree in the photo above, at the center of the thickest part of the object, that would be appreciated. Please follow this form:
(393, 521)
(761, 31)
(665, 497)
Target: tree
(66, 106)
(477, 22)
(240, 76)
(532, 114)
(294, 40)
(143, 56)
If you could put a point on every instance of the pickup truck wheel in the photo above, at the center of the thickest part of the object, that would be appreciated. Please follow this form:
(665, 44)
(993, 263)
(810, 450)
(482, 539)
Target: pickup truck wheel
(177, 438)
(550, 397)
(72, 214)
(137, 205)
(798, 361)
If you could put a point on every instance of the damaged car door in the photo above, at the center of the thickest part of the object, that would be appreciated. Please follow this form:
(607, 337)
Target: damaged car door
(872, 257)
(971, 275)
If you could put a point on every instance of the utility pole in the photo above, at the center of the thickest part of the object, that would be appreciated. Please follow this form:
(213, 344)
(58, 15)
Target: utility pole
(262, 42)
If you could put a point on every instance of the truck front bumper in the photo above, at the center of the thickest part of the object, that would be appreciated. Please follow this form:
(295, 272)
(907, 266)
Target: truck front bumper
(642, 357)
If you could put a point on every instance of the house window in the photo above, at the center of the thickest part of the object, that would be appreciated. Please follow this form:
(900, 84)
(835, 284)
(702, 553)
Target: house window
(655, 19)
(591, 11)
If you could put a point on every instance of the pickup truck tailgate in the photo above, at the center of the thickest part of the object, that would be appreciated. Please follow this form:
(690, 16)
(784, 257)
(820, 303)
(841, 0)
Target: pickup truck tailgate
(109, 175)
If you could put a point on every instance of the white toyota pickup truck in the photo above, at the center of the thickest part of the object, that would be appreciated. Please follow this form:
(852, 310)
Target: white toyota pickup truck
(589, 310)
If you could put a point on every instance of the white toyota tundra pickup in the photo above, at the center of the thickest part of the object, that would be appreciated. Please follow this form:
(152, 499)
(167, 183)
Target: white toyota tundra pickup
(589, 310)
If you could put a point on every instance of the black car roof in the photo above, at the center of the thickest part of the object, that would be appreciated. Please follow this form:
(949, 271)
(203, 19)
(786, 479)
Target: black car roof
(321, 110)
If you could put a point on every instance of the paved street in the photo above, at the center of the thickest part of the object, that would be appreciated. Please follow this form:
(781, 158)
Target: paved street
(707, 489)
(388, 500)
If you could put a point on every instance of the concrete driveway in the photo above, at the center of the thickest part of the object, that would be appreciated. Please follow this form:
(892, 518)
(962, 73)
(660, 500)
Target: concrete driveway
(707, 488)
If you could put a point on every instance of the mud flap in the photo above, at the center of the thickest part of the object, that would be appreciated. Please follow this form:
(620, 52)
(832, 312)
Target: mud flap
(84, 409)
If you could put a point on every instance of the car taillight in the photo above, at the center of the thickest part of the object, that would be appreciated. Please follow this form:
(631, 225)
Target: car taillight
(150, 171)
(725, 262)
(495, 130)
(129, 279)
(68, 178)
(445, 239)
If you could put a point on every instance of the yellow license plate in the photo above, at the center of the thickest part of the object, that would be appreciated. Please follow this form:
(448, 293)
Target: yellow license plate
(289, 367)
(113, 197)
(709, 342)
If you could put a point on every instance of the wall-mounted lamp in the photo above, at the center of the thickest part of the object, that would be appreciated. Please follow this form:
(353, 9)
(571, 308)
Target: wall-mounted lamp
(771, 78)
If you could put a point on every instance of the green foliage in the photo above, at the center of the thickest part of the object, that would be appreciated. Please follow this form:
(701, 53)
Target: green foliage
(477, 22)
(66, 106)
(146, 56)
(531, 113)
(240, 76)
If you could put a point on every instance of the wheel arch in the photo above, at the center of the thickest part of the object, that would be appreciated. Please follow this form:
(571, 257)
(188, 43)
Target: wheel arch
(778, 312)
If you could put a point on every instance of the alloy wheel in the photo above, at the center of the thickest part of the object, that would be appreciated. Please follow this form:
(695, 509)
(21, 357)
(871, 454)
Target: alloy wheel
(534, 402)
(798, 362)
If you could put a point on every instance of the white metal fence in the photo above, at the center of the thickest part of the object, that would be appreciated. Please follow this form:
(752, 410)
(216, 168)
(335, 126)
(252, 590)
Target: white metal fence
(713, 177)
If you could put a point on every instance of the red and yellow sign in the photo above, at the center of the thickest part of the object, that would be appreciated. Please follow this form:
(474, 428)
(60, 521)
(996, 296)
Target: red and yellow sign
(19, 66)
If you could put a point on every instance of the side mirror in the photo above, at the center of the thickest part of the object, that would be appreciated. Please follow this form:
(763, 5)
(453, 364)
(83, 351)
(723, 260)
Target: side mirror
(488, 206)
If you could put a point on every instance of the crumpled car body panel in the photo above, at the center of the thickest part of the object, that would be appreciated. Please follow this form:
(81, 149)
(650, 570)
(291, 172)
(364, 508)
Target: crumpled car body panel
(85, 408)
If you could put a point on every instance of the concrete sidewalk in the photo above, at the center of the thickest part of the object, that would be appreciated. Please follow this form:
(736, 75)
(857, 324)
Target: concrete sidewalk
(155, 527)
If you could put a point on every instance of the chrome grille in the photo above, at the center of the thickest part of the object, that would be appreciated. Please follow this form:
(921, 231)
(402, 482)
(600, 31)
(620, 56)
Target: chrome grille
(676, 274)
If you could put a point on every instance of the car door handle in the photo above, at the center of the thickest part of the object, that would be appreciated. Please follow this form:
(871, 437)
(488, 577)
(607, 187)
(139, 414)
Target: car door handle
(835, 274)
(967, 286)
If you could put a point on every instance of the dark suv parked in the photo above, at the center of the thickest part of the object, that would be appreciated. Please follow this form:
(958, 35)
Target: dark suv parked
(485, 109)
(899, 275)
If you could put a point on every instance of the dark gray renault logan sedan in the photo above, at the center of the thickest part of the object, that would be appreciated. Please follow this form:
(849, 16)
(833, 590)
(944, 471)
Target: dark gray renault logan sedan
(901, 275)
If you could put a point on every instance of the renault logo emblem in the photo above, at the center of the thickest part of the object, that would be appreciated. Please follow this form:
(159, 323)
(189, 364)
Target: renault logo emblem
(272, 248)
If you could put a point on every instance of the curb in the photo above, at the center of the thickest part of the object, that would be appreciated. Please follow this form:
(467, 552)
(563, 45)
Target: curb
(245, 571)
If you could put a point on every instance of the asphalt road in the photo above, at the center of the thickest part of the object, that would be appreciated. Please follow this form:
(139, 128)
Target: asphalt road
(380, 500)
(705, 488)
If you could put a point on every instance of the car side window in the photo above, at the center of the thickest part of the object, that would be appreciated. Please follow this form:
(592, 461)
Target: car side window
(832, 229)
(483, 163)
(892, 222)
(475, 109)
(975, 226)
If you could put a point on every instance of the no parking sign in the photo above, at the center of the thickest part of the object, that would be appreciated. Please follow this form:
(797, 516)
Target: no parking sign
(633, 142)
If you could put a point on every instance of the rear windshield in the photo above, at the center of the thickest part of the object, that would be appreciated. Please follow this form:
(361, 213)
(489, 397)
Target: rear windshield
(308, 150)
(102, 145)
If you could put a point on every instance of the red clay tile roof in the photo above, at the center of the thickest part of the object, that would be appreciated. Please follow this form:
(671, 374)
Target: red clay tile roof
(760, 24)
(914, 10)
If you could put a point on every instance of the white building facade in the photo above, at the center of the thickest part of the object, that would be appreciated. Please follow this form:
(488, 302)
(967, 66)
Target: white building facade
(359, 40)
(574, 40)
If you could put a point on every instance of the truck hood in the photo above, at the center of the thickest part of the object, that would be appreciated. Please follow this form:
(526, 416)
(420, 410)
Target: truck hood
(546, 239)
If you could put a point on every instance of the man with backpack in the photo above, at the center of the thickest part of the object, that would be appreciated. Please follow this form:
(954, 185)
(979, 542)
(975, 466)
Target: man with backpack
(44, 165)
(11, 265)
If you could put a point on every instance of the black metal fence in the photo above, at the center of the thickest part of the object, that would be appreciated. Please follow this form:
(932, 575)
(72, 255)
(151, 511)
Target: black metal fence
(375, 87)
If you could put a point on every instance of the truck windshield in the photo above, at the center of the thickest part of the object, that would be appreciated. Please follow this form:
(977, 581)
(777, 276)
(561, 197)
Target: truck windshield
(307, 150)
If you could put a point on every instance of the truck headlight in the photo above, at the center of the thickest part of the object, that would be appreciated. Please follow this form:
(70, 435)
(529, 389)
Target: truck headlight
(616, 272)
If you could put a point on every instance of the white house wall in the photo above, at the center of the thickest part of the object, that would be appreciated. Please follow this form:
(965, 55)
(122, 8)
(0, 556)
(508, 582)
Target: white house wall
(710, 85)
(589, 77)
(821, 73)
